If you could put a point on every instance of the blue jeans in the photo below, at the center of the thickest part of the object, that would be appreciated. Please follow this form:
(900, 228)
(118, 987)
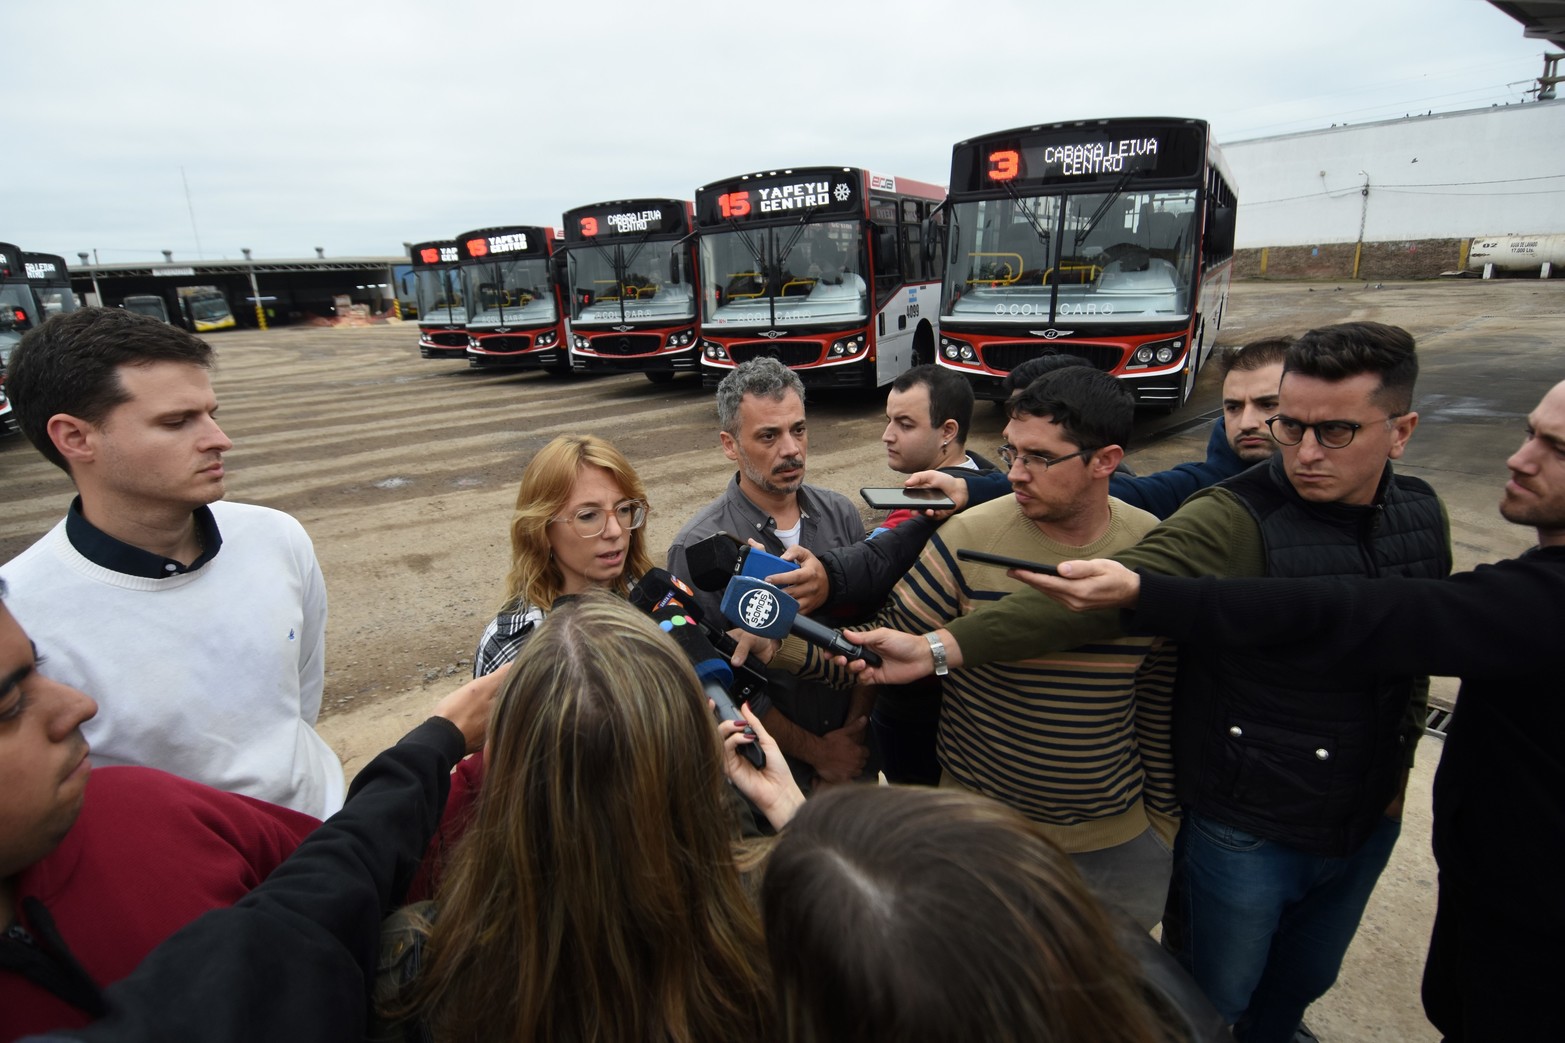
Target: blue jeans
(1261, 927)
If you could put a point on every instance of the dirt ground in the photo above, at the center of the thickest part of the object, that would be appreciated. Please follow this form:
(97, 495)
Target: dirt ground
(403, 470)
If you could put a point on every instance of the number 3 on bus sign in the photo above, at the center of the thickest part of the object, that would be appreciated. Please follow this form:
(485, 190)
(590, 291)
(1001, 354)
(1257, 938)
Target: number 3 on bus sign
(589, 226)
(734, 204)
(1004, 165)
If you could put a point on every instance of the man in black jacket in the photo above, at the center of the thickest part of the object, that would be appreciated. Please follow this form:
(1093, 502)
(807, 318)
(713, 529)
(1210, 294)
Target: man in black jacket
(1499, 794)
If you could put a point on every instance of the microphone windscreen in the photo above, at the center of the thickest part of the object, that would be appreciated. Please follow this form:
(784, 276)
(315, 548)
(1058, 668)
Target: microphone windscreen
(759, 607)
(713, 560)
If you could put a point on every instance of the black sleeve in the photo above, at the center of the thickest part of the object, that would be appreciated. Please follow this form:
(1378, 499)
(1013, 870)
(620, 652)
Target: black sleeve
(294, 959)
(1497, 621)
(862, 574)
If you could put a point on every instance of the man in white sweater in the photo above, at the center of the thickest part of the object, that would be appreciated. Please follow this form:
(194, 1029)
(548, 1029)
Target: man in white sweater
(200, 625)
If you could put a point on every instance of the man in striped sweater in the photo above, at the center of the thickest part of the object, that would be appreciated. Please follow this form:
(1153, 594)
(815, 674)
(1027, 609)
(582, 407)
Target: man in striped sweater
(1076, 740)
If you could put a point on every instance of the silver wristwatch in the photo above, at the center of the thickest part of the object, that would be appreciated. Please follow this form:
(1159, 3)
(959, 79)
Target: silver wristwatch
(938, 649)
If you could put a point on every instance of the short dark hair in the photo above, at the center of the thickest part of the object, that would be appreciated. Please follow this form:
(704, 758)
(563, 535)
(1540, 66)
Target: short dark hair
(1269, 351)
(1033, 368)
(950, 396)
(1339, 352)
(906, 912)
(1091, 407)
(70, 364)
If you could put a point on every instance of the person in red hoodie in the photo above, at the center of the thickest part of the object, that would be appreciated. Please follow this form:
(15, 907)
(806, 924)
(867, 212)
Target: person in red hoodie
(97, 868)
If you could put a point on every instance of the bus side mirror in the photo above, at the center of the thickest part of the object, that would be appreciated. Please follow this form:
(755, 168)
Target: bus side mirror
(932, 236)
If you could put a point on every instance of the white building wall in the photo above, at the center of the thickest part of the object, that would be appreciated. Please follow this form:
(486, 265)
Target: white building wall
(1457, 175)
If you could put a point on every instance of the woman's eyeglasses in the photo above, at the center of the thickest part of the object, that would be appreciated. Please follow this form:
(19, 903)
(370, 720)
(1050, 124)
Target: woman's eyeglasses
(593, 521)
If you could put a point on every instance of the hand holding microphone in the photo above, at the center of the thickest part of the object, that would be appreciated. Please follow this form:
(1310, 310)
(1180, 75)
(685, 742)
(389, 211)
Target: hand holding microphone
(658, 593)
(760, 608)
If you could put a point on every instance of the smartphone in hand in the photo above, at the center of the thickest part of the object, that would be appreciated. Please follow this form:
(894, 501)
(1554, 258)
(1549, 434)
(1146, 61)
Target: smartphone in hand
(1005, 562)
(891, 499)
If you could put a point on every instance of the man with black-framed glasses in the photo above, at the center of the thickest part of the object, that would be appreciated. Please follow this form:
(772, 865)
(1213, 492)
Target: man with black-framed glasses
(1077, 741)
(1291, 782)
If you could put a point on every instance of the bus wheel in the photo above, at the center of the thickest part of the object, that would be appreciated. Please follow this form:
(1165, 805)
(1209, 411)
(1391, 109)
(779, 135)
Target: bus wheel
(660, 376)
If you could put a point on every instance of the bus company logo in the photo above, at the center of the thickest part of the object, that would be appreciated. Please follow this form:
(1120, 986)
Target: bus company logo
(622, 329)
(1051, 333)
(882, 183)
(772, 334)
(758, 608)
(478, 247)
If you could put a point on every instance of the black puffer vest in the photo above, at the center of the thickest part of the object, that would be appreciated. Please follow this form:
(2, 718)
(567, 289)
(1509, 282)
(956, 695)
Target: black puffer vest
(1308, 760)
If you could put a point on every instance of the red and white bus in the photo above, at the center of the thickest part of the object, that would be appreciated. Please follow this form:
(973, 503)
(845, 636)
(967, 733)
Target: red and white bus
(822, 267)
(514, 319)
(632, 287)
(437, 293)
(1110, 239)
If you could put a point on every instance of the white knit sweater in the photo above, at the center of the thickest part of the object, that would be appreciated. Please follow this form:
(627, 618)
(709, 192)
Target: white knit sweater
(215, 675)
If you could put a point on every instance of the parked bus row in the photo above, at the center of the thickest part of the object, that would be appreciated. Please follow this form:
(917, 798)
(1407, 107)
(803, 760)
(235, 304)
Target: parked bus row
(1110, 239)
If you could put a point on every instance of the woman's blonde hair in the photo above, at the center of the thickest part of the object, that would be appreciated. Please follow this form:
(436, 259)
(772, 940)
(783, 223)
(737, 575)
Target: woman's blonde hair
(596, 895)
(547, 483)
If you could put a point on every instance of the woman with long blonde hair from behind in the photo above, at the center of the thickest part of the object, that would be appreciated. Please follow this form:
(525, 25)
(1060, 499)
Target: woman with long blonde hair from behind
(597, 894)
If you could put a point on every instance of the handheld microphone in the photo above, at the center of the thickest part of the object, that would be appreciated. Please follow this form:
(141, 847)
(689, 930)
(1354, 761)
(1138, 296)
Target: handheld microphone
(656, 594)
(761, 608)
(715, 560)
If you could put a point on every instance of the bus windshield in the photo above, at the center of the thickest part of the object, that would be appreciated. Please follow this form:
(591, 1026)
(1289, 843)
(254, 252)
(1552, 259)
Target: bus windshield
(1088, 257)
(439, 294)
(784, 275)
(208, 306)
(631, 281)
(503, 291)
(16, 299)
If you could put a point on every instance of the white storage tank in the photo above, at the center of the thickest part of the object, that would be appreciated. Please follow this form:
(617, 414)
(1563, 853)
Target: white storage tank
(1511, 253)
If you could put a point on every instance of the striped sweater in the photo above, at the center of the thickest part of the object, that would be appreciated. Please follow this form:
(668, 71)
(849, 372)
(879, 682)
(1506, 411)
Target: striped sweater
(1077, 740)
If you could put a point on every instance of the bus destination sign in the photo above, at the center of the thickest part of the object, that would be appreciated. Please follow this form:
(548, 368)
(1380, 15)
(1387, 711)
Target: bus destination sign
(795, 195)
(604, 223)
(493, 242)
(435, 253)
(1060, 156)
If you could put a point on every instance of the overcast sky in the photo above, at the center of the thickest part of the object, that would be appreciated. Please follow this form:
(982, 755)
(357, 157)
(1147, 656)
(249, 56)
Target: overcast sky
(357, 127)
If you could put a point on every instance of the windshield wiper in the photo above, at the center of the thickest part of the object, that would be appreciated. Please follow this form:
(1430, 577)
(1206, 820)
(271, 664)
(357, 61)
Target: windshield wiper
(1097, 215)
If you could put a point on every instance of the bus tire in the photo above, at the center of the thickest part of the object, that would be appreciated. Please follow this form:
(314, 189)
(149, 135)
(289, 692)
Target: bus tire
(660, 376)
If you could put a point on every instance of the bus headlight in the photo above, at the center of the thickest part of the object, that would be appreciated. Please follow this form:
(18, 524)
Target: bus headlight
(472, 343)
(957, 350)
(1159, 353)
(846, 346)
(714, 351)
(547, 340)
(680, 339)
(582, 343)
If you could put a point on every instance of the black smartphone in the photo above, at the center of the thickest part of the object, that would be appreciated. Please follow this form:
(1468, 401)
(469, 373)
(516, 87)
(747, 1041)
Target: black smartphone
(1005, 562)
(912, 499)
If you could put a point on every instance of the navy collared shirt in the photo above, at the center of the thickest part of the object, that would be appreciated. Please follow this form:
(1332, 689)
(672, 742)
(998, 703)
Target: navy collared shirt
(115, 555)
